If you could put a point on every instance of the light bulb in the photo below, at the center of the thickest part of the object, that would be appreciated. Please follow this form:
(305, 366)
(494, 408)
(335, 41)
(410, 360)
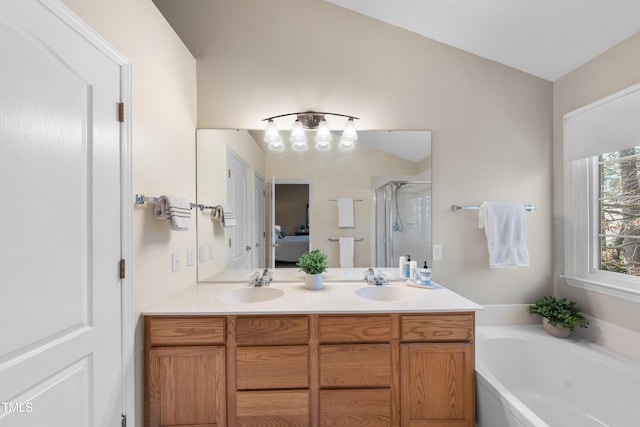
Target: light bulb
(323, 136)
(349, 133)
(298, 138)
(271, 134)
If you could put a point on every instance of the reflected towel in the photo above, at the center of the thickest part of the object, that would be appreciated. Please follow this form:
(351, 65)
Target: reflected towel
(346, 252)
(505, 226)
(224, 214)
(175, 210)
(345, 212)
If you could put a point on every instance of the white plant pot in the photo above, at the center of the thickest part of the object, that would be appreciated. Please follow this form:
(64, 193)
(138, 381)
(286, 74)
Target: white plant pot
(554, 330)
(313, 281)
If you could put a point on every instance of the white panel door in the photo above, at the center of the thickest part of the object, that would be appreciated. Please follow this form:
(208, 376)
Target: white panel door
(238, 237)
(60, 225)
(259, 221)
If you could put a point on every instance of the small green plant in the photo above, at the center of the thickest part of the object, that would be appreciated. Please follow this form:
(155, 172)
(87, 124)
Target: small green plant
(314, 262)
(559, 312)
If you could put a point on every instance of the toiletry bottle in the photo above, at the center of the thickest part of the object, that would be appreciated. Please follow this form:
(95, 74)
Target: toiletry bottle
(403, 260)
(427, 275)
(407, 269)
(413, 271)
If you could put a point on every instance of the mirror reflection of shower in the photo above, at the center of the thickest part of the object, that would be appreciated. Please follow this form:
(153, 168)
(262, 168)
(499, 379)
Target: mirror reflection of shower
(403, 222)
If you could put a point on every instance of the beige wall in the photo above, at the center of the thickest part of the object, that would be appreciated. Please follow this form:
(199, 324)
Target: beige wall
(331, 176)
(492, 125)
(164, 121)
(614, 70)
(212, 190)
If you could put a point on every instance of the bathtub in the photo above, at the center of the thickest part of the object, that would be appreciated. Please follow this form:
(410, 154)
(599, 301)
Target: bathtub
(525, 377)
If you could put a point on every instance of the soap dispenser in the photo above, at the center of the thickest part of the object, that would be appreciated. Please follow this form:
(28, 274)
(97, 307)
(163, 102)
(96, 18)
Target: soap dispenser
(406, 268)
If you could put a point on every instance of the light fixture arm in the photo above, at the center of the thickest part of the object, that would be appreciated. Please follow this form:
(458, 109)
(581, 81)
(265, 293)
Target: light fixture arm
(310, 119)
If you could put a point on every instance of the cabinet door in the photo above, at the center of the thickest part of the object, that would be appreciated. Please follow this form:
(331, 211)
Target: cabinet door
(438, 385)
(186, 386)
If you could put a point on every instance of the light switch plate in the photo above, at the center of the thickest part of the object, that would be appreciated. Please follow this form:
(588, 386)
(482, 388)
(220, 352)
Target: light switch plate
(437, 252)
(191, 258)
(175, 262)
(211, 251)
(201, 254)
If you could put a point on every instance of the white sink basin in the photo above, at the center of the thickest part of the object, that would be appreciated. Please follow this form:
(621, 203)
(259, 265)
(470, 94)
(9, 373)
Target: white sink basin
(251, 295)
(387, 293)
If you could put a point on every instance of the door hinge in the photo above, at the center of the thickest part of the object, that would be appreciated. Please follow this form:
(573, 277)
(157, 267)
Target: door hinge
(121, 112)
(229, 242)
(122, 269)
(229, 173)
(124, 420)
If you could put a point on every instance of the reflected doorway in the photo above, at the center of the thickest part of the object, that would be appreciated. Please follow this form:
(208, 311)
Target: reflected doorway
(291, 222)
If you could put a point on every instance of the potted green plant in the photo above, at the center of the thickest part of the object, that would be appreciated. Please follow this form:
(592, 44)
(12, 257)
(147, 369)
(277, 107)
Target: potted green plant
(559, 316)
(313, 263)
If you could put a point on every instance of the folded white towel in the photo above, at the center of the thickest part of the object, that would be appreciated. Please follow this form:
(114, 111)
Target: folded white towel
(345, 212)
(346, 252)
(175, 210)
(505, 226)
(225, 215)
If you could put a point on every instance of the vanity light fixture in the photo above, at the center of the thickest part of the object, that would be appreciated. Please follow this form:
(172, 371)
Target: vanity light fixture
(310, 120)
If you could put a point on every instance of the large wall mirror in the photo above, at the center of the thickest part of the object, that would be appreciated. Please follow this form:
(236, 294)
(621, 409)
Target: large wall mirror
(387, 175)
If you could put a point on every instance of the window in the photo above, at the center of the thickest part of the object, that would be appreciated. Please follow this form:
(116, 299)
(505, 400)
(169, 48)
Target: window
(602, 196)
(619, 231)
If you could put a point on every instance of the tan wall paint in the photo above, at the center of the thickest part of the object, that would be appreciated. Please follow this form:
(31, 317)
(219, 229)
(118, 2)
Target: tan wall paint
(492, 125)
(331, 176)
(164, 121)
(212, 191)
(614, 70)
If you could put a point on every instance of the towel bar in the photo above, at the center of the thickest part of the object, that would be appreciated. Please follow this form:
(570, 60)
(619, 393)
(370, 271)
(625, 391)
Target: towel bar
(141, 199)
(528, 208)
(334, 239)
(355, 200)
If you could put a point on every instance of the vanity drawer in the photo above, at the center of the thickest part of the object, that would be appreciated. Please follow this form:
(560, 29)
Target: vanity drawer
(437, 328)
(354, 329)
(355, 365)
(272, 330)
(198, 330)
(272, 408)
(279, 367)
(371, 408)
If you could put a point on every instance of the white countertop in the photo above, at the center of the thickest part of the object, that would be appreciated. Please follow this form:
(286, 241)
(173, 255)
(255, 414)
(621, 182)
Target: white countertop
(334, 297)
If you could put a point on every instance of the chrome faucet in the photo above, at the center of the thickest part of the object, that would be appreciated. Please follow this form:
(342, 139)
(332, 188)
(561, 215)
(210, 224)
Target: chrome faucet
(373, 278)
(263, 279)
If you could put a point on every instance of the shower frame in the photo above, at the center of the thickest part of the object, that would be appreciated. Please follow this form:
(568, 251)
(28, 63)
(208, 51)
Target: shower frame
(390, 244)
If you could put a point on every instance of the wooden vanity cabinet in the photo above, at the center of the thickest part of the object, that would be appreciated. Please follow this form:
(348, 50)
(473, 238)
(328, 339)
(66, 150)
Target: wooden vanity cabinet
(271, 371)
(185, 372)
(356, 371)
(374, 370)
(438, 370)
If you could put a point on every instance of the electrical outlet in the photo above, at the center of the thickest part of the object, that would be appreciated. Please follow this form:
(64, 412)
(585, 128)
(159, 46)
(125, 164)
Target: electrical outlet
(201, 255)
(175, 262)
(437, 252)
(191, 258)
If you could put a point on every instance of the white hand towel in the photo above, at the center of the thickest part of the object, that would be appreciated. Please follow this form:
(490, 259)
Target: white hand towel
(345, 212)
(505, 226)
(346, 252)
(175, 210)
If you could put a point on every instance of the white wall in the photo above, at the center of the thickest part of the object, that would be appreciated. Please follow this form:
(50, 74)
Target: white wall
(164, 121)
(614, 70)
